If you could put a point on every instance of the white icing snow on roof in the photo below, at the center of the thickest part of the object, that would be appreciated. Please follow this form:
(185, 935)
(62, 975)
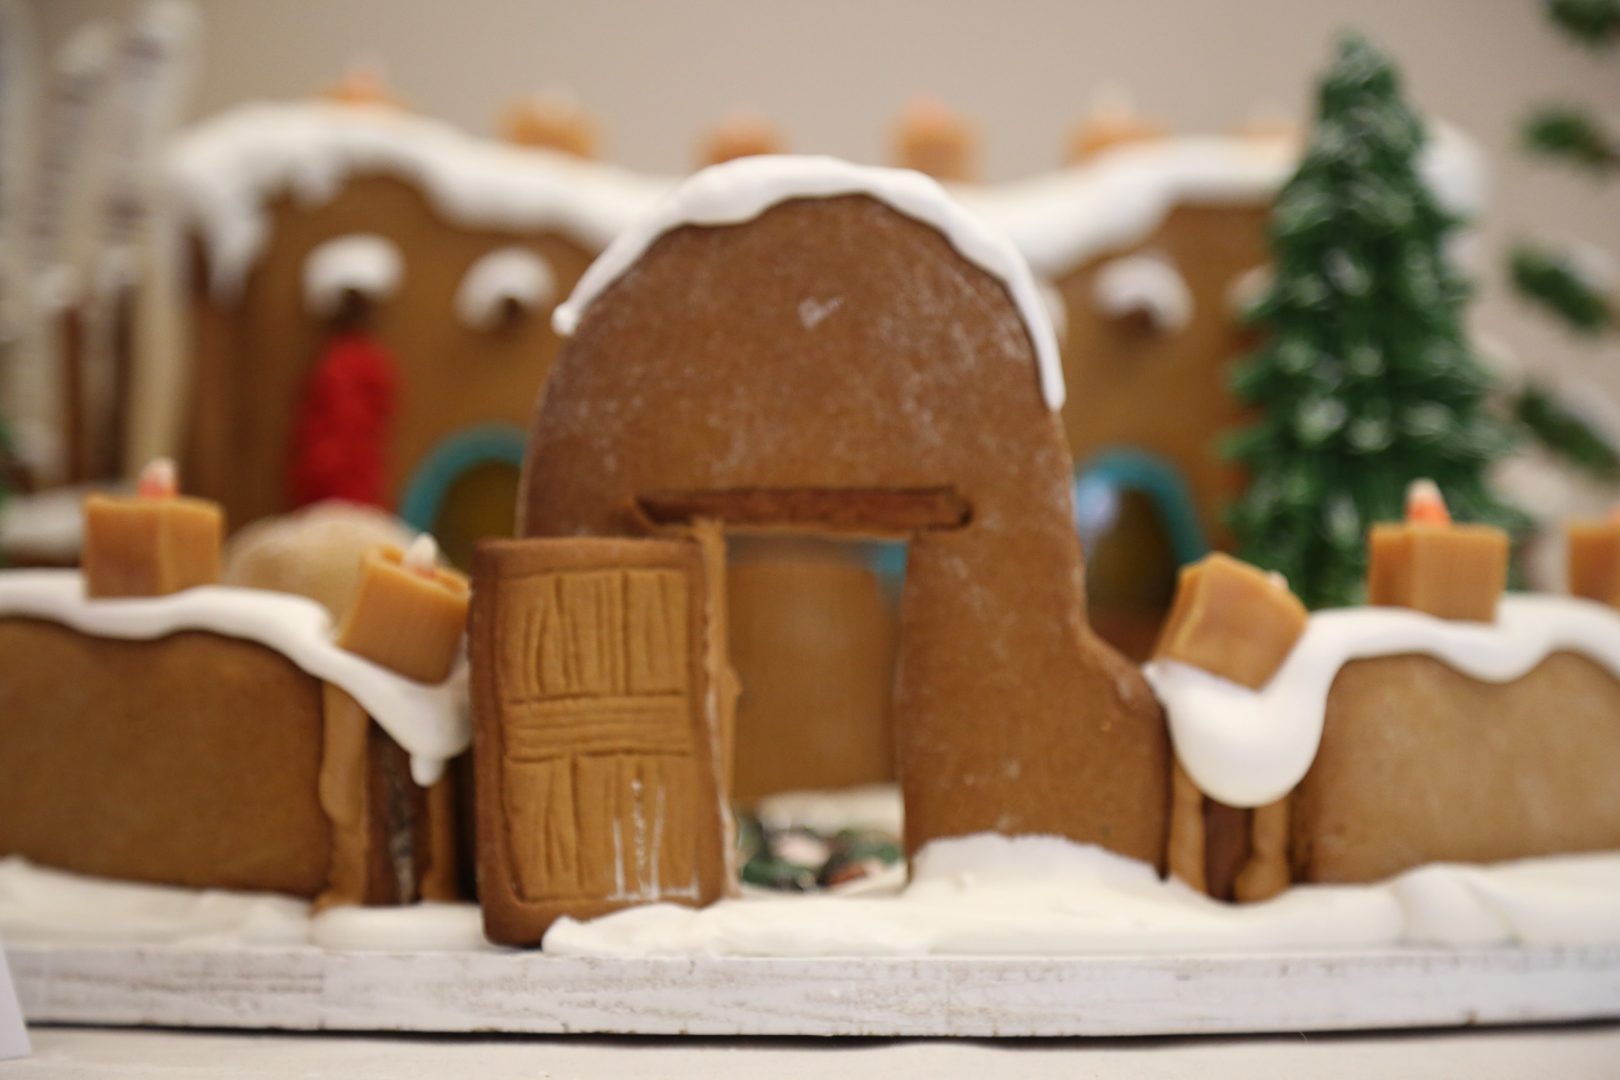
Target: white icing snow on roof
(741, 190)
(512, 274)
(225, 171)
(1251, 747)
(429, 721)
(1146, 283)
(365, 263)
(1064, 218)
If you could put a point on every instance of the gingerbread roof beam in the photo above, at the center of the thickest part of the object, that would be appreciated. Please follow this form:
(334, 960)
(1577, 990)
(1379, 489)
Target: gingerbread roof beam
(861, 511)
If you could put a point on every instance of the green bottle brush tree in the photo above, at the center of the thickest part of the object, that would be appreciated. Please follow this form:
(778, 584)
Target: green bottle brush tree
(1366, 380)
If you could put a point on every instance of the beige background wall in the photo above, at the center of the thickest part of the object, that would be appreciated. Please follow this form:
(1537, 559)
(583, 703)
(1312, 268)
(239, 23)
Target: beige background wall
(833, 73)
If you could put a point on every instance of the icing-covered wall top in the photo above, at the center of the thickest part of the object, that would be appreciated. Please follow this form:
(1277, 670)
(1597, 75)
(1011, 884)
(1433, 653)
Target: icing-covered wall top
(1064, 218)
(1251, 747)
(741, 190)
(428, 722)
(225, 170)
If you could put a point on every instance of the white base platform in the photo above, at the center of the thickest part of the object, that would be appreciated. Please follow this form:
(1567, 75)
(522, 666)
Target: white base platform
(306, 988)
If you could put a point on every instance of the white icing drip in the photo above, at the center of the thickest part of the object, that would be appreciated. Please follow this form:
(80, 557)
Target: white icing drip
(1148, 283)
(369, 265)
(428, 722)
(1247, 289)
(739, 191)
(507, 275)
(226, 171)
(1062, 219)
(992, 895)
(1250, 747)
(422, 554)
(1056, 309)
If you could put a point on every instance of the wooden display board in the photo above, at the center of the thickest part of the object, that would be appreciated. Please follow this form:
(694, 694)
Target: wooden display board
(306, 988)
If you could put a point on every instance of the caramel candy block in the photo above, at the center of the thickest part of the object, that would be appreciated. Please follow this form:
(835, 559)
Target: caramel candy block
(407, 619)
(363, 83)
(1594, 561)
(1233, 620)
(551, 121)
(1450, 571)
(936, 141)
(149, 546)
(739, 136)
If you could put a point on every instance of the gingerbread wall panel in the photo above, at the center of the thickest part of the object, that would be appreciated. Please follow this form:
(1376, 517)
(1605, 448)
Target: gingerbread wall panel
(195, 760)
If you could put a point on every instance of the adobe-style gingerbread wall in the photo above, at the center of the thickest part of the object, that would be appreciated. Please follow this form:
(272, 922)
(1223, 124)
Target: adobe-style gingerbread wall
(1420, 763)
(117, 759)
(838, 344)
(1167, 391)
(253, 353)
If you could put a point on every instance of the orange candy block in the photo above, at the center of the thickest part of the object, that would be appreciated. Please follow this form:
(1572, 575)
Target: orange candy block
(1450, 571)
(406, 619)
(1233, 620)
(364, 83)
(551, 121)
(740, 136)
(1594, 560)
(934, 140)
(149, 546)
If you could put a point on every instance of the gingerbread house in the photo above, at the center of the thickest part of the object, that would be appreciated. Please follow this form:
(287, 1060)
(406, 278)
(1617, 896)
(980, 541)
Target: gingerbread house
(863, 358)
(308, 222)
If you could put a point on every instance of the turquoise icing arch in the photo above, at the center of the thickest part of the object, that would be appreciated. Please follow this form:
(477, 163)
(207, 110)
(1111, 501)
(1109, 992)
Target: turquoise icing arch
(449, 460)
(1125, 469)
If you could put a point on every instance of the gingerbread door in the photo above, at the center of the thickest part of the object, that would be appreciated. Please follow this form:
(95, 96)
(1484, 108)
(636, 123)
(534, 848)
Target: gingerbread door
(598, 728)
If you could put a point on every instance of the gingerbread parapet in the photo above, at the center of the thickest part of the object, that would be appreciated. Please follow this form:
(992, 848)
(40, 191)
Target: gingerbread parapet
(1390, 737)
(220, 737)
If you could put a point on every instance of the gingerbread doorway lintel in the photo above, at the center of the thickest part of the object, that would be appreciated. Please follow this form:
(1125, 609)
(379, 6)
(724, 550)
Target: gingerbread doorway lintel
(855, 511)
